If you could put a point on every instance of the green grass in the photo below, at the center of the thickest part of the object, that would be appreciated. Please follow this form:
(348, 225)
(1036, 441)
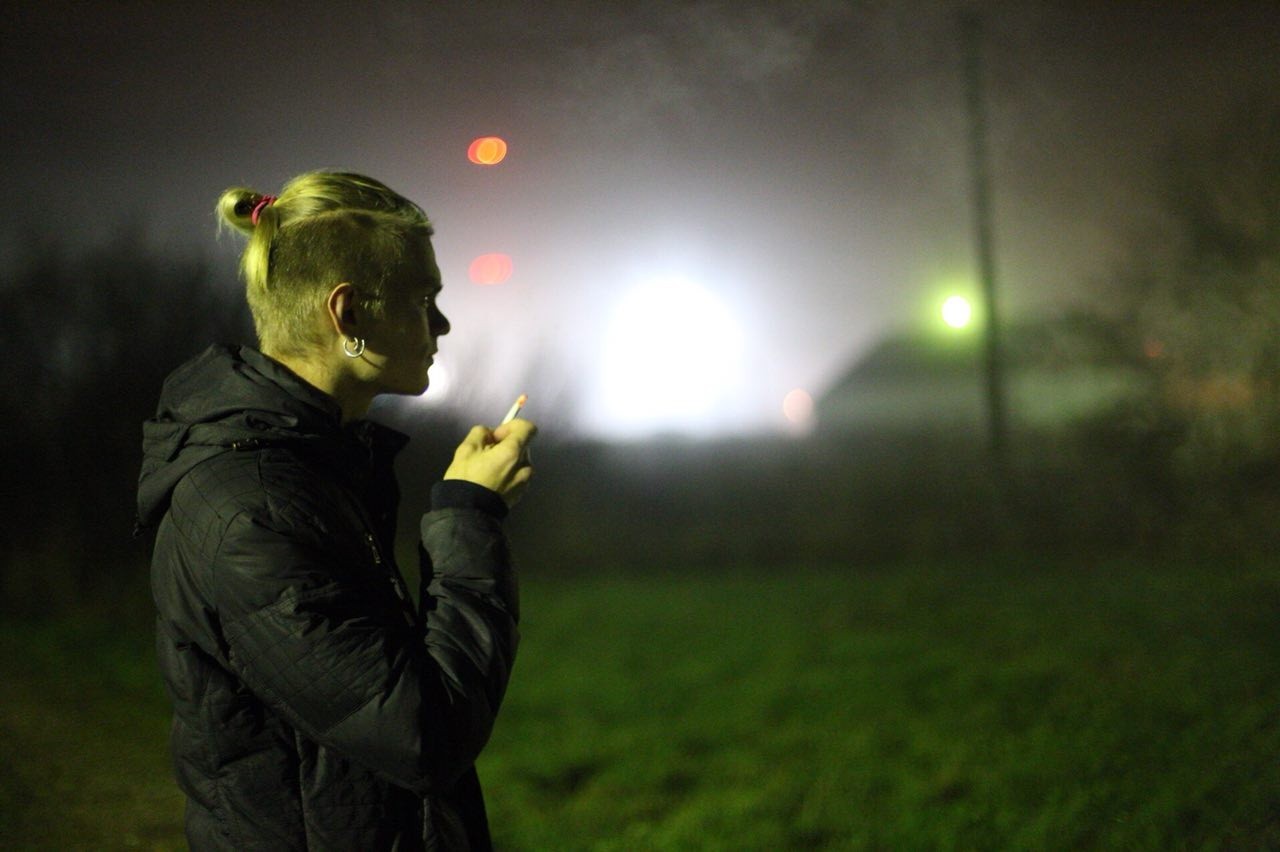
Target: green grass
(1039, 706)
(84, 725)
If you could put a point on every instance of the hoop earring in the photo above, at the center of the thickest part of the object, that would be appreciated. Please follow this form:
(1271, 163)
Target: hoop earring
(357, 347)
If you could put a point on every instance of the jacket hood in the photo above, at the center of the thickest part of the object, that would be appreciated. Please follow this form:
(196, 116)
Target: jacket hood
(231, 398)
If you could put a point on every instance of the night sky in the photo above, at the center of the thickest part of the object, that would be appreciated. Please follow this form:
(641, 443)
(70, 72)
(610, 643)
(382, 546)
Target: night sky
(801, 167)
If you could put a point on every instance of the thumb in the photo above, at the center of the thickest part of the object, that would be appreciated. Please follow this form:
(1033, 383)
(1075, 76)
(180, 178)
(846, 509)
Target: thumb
(522, 429)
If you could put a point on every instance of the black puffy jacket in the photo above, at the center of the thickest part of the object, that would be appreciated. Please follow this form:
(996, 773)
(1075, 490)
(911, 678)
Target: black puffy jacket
(314, 708)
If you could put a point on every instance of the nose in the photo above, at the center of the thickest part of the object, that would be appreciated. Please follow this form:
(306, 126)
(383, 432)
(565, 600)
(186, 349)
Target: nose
(439, 322)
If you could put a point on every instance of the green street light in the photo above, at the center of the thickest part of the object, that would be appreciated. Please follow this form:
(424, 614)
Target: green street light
(957, 312)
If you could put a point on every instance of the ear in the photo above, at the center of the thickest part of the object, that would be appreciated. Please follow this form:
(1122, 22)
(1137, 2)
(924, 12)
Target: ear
(343, 311)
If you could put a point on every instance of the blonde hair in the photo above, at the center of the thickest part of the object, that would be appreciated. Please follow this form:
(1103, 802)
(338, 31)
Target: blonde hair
(323, 229)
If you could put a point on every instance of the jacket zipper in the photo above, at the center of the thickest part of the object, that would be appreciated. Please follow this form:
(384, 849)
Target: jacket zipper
(373, 548)
(372, 541)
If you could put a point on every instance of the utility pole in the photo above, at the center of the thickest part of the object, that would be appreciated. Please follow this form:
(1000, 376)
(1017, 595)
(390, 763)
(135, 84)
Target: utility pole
(971, 40)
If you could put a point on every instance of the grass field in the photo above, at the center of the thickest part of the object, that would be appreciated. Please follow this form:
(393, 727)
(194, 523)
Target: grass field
(1114, 705)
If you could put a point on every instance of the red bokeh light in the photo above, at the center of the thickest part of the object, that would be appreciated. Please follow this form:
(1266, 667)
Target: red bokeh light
(487, 151)
(490, 269)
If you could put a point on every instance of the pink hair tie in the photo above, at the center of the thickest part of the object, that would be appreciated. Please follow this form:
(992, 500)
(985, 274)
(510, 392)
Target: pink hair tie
(257, 208)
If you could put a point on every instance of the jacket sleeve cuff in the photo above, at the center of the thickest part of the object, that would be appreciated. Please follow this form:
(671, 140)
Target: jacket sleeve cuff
(461, 494)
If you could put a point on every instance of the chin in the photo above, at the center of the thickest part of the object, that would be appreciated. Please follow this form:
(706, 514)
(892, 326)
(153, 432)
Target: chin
(407, 388)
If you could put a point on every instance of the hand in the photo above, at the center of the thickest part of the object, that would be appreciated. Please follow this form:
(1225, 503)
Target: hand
(497, 458)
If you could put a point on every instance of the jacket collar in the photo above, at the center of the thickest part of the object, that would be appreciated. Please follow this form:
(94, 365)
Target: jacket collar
(236, 398)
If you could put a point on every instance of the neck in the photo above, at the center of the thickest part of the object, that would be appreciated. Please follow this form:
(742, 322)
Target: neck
(352, 395)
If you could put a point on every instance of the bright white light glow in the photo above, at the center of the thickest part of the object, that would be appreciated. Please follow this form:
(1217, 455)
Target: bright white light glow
(672, 361)
(956, 312)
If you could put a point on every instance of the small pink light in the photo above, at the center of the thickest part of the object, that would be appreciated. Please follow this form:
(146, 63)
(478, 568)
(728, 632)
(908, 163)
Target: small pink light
(490, 269)
(797, 406)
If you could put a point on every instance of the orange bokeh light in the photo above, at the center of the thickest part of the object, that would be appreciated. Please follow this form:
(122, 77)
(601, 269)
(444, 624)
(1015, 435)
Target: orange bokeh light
(490, 268)
(487, 151)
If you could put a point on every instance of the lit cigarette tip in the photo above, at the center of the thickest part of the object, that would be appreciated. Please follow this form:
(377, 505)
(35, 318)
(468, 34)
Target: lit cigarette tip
(515, 408)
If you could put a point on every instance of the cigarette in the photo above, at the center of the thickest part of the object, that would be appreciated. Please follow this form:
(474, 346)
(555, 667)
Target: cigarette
(515, 408)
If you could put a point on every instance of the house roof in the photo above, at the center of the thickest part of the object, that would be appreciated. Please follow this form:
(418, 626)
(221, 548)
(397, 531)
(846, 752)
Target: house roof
(1055, 343)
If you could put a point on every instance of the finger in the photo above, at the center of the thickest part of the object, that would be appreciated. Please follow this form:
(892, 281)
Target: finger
(522, 476)
(516, 488)
(521, 430)
(508, 453)
(477, 438)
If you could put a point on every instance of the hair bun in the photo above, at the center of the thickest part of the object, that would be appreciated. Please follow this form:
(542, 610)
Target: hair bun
(236, 206)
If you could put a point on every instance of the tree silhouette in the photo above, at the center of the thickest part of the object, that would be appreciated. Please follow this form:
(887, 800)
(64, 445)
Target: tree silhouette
(1201, 293)
(97, 334)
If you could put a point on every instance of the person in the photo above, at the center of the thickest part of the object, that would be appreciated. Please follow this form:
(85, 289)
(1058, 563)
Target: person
(315, 706)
